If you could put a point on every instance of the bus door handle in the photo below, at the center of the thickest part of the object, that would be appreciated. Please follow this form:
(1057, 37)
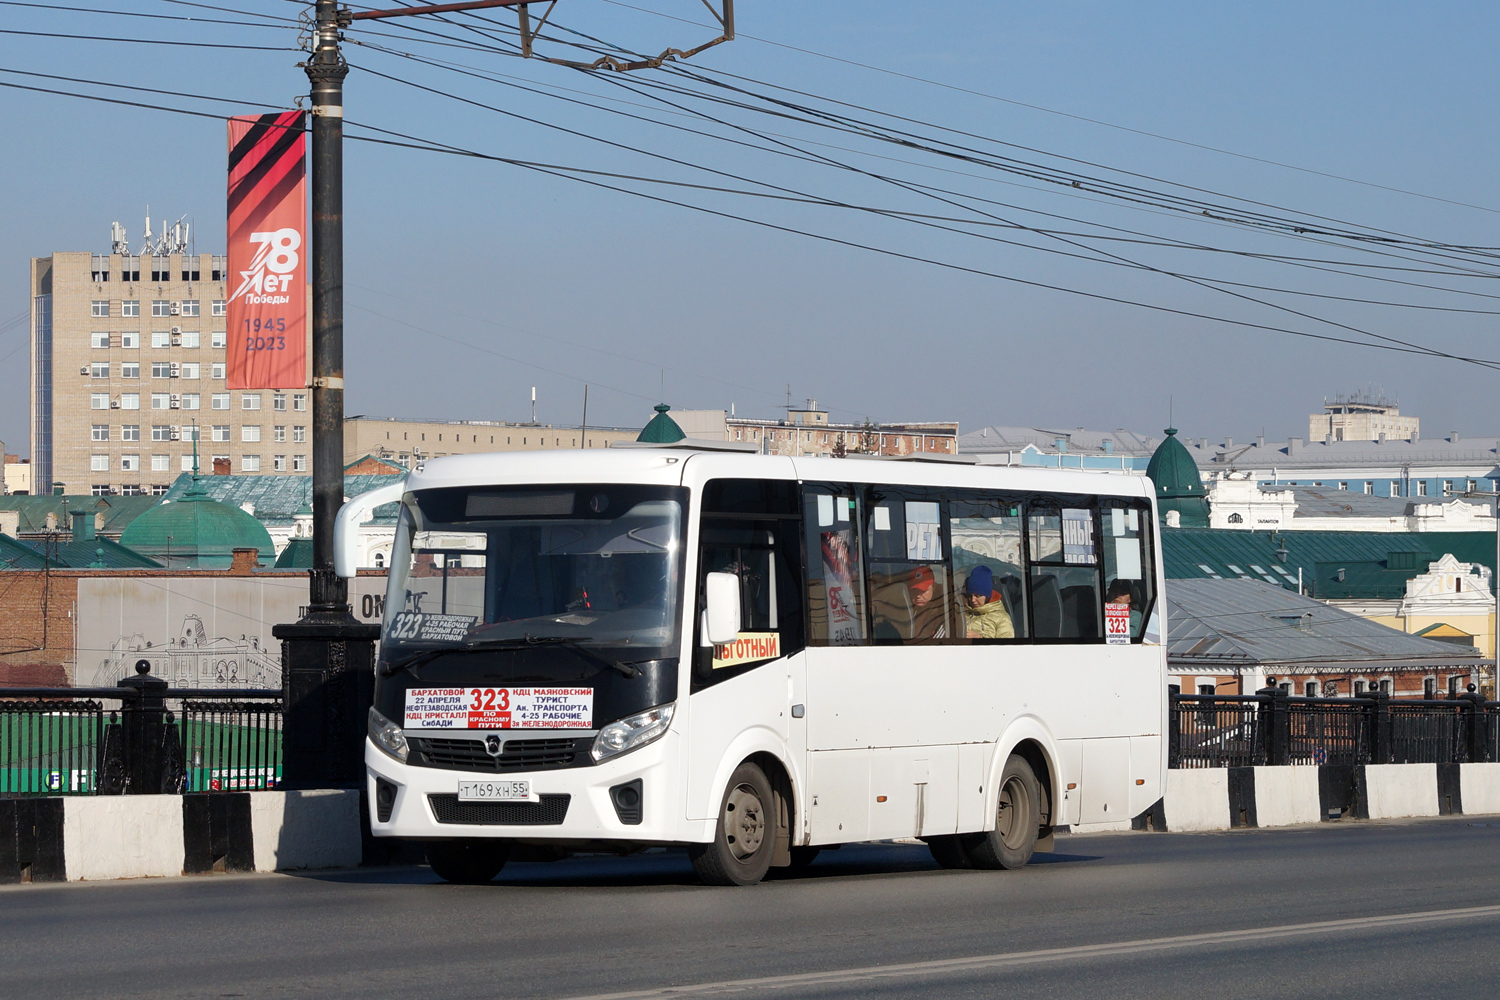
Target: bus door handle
(798, 711)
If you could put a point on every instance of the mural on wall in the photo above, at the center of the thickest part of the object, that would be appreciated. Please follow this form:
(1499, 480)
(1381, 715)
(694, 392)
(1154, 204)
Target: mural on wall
(200, 632)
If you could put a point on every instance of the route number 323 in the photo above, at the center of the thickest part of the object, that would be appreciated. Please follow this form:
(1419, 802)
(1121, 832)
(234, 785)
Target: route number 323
(490, 700)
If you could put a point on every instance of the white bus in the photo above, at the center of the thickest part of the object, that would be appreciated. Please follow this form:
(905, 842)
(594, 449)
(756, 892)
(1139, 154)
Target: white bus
(755, 657)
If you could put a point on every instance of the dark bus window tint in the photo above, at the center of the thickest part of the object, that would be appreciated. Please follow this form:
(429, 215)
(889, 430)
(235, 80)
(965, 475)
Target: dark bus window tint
(750, 496)
(1064, 583)
(1128, 566)
(910, 599)
(987, 567)
(762, 554)
(835, 571)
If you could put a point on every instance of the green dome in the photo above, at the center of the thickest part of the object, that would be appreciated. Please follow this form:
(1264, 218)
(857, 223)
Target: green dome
(195, 532)
(662, 429)
(1178, 485)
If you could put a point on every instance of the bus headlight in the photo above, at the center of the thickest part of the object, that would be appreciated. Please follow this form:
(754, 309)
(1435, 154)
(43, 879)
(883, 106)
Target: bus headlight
(388, 736)
(632, 732)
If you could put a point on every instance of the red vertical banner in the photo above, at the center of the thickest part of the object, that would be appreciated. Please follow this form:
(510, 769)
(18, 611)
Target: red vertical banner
(267, 251)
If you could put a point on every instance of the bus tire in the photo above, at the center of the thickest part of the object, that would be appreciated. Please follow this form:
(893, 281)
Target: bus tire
(745, 835)
(467, 862)
(1017, 820)
(952, 851)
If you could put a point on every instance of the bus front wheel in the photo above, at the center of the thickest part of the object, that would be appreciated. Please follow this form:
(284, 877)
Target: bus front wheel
(745, 835)
(467, 862)
(1017, 820)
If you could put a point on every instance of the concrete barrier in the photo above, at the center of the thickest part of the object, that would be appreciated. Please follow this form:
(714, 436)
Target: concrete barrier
(1479, 786)
(1286, 796)
(141, 836)
(1393, 791)
(1197, 799)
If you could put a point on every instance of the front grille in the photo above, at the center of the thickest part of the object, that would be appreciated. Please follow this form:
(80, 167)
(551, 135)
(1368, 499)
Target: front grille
(518, 755)
(551, 811)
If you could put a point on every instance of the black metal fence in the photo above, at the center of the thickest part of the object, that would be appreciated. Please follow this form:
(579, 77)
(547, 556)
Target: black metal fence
(1273, 728)
(152, 739)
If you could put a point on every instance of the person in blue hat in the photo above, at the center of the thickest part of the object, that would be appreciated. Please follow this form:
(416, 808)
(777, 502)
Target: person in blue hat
(985, 614)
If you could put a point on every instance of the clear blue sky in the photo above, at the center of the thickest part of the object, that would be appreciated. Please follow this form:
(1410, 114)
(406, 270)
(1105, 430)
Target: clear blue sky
(470, 281)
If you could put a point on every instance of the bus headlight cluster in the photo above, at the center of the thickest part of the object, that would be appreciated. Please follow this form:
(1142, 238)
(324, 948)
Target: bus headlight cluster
(632, 732)
(388, 736)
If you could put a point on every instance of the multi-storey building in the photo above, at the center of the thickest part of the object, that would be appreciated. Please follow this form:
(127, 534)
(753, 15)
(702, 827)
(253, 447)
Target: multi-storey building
(127, 364)
(406, 440)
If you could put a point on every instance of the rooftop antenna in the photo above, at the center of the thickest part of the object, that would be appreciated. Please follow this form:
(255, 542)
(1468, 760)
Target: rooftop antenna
(533, 404)
(119, 239)
(146, 247)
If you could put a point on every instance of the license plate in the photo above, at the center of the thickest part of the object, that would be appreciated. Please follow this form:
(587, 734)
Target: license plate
(495, 791)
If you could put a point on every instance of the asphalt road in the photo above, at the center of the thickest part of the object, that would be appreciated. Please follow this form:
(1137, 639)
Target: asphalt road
(1341, 910)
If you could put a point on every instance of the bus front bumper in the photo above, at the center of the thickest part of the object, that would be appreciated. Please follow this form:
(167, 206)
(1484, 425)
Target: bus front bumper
(425, 806)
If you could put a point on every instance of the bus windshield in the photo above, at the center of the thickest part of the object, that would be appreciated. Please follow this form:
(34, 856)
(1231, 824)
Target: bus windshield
(486, 566)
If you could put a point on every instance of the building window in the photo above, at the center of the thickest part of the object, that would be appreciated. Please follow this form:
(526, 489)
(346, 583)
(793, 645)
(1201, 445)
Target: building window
(159, 489)
(1369, 487)
(99, 463)
(1421, 487)
(130, 463)
(99, 338)
(161, 338)
(220, 264)
(161, 463)
(99, 490)
(1310, 689)
(130, 432)
(220, 432)
(159, 307)
(216, 369)
(250, 433)
(299, 401)
(278, 401)
(99, 307)
(249, 463)
(161, 369)
(190, 369)
(187, 463)
(130, 340)
(218, 338)
(1447, 486)
(190, 307)
(99, 432)
(130, 307)
(161, 268)
(98, 400)
(161, 401)
(130, 369)
(161, 432)
(130, 401)
(299, 463)
(218, 308)
(299, 435)
(190, 400)
(1343, 486)
(189, 338)
(99, 369)
(219, 401)
(249, 400)
(130, 268)
(279, 432)
(1395, 488)
(278, 463)
(1470, 486)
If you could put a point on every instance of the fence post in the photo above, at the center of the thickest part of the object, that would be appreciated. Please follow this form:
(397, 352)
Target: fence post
(1472, 706)
(1274, 724)
(143, 720)
(1174, 723)
(1380, 727)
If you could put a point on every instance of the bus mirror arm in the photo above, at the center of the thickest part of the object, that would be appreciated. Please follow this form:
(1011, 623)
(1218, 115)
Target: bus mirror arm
(722, 591)
(350, 517)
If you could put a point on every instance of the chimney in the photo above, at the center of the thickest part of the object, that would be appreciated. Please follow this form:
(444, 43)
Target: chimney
(10, 522)
(244, 561)
(83, 525)
(1381, 439)
(1415, 435)
(57, 489)
(1293, 445)
(1453, 437)
(1109, 446)
(1260, 440)
(1228, 443)
(221, 466)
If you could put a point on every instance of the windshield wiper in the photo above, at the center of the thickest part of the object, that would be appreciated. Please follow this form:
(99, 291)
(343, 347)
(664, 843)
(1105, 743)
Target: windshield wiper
(626, 669)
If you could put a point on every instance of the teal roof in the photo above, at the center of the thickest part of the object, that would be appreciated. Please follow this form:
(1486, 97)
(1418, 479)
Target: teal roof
(278, 499)
(19, 555)
(298, 554)
(118, 511)
(194, 531)
(1179, 486)
(661, 429)
(96, 553)
(1334, 564)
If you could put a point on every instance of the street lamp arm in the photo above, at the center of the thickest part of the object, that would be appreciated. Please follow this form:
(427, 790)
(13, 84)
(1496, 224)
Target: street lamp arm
(441, 8)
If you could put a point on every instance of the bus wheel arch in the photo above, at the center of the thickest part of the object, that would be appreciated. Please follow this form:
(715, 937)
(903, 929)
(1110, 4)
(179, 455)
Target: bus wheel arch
(785, 808)
(1036, 755)
(1030, 741)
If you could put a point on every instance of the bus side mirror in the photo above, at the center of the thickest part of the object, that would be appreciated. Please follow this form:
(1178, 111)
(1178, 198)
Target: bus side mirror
(723, 607)
(346, 526)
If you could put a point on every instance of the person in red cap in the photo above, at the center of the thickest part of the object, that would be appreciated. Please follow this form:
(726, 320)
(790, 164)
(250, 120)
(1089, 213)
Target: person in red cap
(929, 616)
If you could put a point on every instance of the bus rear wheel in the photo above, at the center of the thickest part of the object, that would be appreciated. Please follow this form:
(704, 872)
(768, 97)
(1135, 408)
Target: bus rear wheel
(467, 862)
(745, 835)
(1017, 820)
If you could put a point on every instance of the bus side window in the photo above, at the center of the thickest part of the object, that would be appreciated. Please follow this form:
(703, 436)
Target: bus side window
(910, 599)
(1064, 581)
(1128, 576)
(986, 535)
(835, 568)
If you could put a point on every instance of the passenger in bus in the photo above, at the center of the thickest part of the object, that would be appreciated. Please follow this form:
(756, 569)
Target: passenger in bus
(929, 616)
(1120, 592)
(986, 615)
